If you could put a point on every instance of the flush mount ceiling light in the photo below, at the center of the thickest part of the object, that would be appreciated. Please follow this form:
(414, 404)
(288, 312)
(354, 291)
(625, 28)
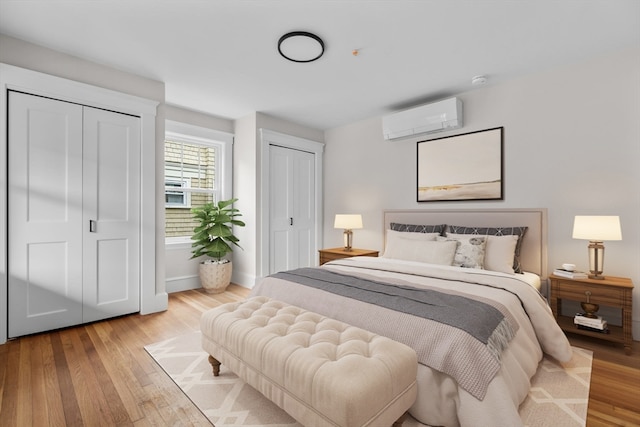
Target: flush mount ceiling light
(300, 46)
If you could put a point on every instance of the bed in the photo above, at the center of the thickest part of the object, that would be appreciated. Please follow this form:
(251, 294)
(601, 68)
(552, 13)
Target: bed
(479, 333)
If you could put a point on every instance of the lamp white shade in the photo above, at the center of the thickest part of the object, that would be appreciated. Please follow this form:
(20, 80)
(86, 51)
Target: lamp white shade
(597, 228)
(348, 222)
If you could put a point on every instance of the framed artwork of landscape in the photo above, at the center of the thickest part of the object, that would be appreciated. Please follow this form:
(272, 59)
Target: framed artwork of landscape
(461, 167)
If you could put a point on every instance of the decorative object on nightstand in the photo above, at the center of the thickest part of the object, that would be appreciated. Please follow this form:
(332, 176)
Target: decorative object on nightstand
(589, 308)
(595, 324)
(570, 274)
(596, 229)
(348, 223)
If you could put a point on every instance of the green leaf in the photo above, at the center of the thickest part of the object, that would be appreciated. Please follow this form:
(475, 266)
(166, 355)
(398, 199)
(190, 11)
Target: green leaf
(220, 230)
(219, 246)
(224, 203)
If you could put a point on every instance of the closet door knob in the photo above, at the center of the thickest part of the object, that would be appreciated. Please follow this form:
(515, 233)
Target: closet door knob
(92, 226)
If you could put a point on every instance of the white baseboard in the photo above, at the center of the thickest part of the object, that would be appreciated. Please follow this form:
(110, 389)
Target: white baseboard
(244, 280)
(184, 283)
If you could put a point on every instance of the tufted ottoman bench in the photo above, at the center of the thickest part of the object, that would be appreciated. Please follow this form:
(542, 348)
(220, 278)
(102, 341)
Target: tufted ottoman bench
(321, 371)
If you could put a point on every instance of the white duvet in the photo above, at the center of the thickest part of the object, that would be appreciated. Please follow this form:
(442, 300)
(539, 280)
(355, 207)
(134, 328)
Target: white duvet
(440, 401)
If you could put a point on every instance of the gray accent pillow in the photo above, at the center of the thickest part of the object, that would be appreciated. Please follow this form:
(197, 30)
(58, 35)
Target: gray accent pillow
(495, 231)
(419, 228)
(470, 252)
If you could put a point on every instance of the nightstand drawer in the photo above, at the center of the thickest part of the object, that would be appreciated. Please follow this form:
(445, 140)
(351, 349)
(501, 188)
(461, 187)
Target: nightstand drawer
(599, 295)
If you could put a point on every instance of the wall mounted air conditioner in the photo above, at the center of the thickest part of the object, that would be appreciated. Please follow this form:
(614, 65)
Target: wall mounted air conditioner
(429, 118)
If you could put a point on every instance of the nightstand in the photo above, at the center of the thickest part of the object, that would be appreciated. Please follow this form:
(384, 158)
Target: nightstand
(611, 292)
(327, 255)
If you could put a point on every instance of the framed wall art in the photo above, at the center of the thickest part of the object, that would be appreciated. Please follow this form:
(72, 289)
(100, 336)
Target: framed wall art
(461, 167)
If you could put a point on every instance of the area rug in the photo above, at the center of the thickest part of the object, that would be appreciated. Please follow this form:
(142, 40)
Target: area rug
(558, 397)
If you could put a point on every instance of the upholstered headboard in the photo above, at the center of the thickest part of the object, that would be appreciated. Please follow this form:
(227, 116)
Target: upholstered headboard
(533, 255)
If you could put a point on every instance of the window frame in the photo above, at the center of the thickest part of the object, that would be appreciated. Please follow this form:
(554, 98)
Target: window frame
(222, 142)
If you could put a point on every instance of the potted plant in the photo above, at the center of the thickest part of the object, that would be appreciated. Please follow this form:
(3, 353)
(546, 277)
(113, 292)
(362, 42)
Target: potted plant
(214, 238)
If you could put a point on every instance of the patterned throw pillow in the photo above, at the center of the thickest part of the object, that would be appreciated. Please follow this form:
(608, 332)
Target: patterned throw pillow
(470, 251)
(418, 228)
(495, 231)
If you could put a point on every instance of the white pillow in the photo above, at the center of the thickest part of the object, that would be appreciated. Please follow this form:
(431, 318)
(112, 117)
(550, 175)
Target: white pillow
(499, 251)
(396, 243)
(471, 250)
(392, 234)
(414, 248)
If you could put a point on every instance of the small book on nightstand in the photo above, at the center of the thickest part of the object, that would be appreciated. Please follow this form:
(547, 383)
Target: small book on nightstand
(588, 328)
(570, 274)
(596, 324)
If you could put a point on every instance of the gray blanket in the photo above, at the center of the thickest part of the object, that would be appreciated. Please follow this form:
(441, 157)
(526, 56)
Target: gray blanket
(480, 320)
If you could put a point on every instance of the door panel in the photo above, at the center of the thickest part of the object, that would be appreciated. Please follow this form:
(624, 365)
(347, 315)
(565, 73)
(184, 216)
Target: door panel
(281, 173)
(280, 208)
(109, 280)
(304, 208)
(47, 274)
(280, 247)
(111, 246)
(292, 209)
(45, 208)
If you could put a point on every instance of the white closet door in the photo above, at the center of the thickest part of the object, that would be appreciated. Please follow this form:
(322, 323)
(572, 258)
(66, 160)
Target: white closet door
(45, 208)
(292, 209)
(280, 205)
(111, 222)
(304, 209)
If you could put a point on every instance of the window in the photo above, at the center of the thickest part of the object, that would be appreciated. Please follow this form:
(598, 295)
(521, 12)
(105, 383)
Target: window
(197, 171)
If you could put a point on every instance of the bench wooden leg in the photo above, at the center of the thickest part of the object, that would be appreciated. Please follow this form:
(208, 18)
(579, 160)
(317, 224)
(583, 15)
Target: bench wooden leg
(400, 420)
(215, 365)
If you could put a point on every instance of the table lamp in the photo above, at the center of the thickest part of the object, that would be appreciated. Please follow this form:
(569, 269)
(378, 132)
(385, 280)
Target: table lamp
(596, 229)
(348, 223)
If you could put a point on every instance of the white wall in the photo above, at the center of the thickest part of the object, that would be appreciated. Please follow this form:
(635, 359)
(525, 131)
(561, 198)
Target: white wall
(37, 58)
(181, 272)
(246, 187)
(174, 270)
(21, 69)
(245, 166)
(571, 145)
(196, 118)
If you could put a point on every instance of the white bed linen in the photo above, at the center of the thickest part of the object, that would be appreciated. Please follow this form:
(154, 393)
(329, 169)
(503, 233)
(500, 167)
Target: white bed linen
(440, 401)
(532, 279)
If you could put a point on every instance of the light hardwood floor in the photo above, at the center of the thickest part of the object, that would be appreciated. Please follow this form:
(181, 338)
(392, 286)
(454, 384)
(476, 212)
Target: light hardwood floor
(99, 374)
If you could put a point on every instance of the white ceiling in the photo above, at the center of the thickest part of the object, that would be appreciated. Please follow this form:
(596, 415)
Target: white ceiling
(220, 56)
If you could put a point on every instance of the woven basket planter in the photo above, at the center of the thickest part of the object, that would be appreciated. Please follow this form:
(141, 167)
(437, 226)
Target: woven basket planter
(215, 277)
